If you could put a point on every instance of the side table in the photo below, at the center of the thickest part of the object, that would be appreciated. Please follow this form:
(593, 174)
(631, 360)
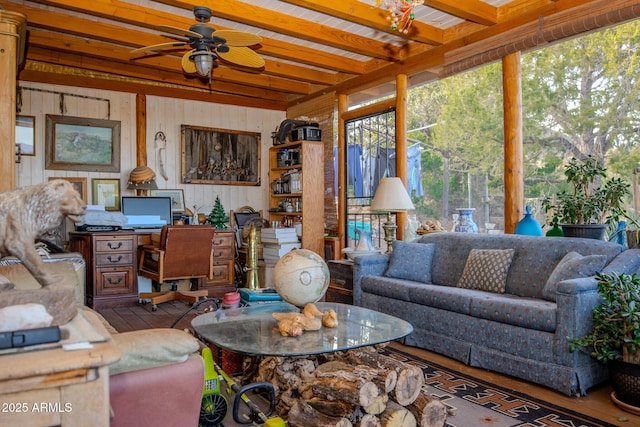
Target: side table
(56, 387)
(341, 282)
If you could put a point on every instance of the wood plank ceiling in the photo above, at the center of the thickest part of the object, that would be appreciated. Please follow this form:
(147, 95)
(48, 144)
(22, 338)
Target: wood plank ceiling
(310, 47)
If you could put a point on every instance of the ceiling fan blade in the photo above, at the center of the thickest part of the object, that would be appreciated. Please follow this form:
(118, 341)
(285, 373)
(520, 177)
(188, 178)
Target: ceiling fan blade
(188, 65)
(180, 31)
(242, 56)
(156, 47)
(238, 38)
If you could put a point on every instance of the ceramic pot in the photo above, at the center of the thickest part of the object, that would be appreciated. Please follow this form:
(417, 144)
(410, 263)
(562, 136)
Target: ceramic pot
(587, 231)
(625, 381)
(465, 221)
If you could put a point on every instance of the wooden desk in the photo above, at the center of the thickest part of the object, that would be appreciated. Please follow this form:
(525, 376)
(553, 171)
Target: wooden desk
(112, 259)
(57, 387)
(112, 265)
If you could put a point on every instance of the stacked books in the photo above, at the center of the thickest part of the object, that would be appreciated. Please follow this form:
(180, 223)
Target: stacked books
(278, 241)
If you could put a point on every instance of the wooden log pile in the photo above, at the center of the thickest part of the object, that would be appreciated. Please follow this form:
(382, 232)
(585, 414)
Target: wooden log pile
(360, 387)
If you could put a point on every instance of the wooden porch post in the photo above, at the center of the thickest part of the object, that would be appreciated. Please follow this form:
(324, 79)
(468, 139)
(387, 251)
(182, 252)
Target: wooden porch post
(13, 27)
(513, 154)
(141, 130)
(342, 202)
(401, 143)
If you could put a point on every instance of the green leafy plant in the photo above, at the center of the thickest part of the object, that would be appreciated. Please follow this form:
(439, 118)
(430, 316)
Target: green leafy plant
(218, 217)
(591, 201)
(616, 320)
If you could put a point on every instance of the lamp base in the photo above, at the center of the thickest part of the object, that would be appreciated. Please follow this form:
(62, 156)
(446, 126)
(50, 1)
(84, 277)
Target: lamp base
(390, 229)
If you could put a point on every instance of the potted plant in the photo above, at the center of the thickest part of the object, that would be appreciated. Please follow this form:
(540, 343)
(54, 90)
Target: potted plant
(615, 336)
(593, 202)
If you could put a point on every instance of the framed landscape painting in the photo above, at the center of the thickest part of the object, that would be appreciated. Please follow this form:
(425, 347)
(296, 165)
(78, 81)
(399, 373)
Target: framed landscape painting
(81, 144)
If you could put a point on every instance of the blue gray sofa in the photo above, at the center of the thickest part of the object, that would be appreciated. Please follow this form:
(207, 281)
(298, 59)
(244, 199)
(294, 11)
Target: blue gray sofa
(520, 327)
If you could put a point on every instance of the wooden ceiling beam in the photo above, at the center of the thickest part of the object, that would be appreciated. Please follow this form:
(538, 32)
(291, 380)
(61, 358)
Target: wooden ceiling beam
(371, 16)
(234, 11)
(137, 72)
(248, 14)
(115, 53)
(469, 10)
(151, 19)
(147, 89)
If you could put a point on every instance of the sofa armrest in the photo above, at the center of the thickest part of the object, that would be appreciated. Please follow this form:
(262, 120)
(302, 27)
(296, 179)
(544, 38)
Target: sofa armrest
(374, 265)
(575, 299)
(168, 396)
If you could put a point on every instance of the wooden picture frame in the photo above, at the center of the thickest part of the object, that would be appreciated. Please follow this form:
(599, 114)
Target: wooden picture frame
(80, 184)
(26, 135)
(177, 198)
(81, 144)
(220, 156)
(106, 192)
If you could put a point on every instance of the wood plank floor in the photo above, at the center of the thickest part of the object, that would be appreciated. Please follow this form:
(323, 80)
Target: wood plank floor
(596, 404)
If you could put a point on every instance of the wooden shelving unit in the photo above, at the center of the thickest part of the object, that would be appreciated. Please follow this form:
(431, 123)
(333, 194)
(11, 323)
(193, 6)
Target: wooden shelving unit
(307, 158)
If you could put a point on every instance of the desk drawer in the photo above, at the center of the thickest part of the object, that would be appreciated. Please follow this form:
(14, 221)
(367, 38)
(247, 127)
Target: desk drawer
(114, 281)
(116, 258)
(222, 253)
(223, 239)
(114, 245)
(222, 272)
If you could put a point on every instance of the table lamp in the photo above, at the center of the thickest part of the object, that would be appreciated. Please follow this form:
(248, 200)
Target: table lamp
(391, 196)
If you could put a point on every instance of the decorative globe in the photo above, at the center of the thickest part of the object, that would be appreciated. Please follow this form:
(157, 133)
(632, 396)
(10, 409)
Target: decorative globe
(301, 277)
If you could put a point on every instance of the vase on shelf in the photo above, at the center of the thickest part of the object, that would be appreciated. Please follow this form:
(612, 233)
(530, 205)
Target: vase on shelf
(465, 221)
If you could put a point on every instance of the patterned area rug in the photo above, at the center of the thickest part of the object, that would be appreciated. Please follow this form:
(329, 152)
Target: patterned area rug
(475, 403)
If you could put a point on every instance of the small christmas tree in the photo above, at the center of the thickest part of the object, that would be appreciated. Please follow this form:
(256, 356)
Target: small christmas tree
(218, 218)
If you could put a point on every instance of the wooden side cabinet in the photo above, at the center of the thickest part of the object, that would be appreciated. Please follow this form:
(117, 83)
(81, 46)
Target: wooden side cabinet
(341, 282)
(224, 252)
(111, 279)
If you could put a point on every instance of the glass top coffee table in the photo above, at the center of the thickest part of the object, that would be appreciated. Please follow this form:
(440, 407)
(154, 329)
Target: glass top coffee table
(253, 331)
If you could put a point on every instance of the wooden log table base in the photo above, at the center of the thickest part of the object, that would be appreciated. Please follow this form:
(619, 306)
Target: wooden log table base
(360, 387)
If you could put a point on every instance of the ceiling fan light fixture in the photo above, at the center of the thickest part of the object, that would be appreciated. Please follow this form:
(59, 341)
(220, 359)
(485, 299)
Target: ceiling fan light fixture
(204, 61)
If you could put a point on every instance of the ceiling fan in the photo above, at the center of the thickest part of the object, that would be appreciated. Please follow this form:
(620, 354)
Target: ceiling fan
(208, 45)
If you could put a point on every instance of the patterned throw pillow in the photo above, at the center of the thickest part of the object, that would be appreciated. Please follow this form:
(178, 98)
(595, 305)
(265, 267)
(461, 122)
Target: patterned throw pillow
(486, 270)
(572, 266)
(411, 261)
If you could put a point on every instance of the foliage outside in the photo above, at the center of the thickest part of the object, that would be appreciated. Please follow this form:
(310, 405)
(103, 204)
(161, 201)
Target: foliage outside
(580, 98)
(616, 321)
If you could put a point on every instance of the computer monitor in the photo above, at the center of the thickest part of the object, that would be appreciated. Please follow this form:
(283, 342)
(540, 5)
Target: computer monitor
(134, 206)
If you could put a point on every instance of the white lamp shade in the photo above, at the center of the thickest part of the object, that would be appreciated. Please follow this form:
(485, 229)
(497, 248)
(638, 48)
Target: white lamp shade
(391, 196)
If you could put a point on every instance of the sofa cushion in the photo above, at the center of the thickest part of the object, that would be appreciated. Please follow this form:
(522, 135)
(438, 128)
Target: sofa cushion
(152, 347)
(448, 298)
(530, 313)
(486, 270)
(411, 261)
(572, 266)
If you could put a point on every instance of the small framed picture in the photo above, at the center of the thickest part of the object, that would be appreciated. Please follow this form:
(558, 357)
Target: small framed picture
(80, 184)
(177, 198)
(106, 192)
(25, 135)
